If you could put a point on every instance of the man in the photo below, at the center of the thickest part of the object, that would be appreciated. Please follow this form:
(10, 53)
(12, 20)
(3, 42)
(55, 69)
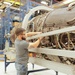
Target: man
(22, 46)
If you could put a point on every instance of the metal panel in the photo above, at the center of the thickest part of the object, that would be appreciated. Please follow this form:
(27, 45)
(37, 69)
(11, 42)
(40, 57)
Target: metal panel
(67, 29)
(67, 69)
(26, 18)
(58, 52)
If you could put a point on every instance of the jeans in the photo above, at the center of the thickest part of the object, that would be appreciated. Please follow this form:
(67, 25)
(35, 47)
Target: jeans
(21, 69)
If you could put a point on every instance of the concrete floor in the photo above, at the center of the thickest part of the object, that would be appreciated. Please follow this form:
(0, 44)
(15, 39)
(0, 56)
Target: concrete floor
(12, 71)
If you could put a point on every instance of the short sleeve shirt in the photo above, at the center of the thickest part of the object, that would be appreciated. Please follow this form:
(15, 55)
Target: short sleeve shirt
(21, 47)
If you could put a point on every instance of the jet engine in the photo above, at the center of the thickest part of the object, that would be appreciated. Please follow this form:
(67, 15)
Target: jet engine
(57, 47)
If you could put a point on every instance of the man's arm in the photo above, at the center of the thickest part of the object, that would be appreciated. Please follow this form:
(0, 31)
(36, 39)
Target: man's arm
(32, 33)
(35, 44)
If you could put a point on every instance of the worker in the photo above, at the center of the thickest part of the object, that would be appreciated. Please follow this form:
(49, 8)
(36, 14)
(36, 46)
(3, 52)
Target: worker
(21, 46)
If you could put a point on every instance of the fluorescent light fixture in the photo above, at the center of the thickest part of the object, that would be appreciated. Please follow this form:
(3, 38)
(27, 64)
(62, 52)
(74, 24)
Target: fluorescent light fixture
(38, 11)
(1, 10)
(68, 1)
(44, 2)
(0, 3)
(8, 3)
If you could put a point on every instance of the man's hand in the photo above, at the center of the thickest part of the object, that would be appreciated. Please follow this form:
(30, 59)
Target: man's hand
(40, 38)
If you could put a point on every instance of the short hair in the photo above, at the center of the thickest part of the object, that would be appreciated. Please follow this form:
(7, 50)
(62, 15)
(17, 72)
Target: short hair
(19, 31)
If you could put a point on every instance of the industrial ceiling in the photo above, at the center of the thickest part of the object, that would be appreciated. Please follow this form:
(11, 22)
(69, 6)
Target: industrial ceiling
(17, 3)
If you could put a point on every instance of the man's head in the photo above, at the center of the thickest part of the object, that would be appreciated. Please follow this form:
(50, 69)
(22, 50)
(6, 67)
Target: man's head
(20, 32)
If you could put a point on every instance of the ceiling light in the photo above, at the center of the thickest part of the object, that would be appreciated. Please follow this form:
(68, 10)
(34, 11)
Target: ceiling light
(0, 3)
(1, 10)
(44, 2)
(8, 3)
(68, 1)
